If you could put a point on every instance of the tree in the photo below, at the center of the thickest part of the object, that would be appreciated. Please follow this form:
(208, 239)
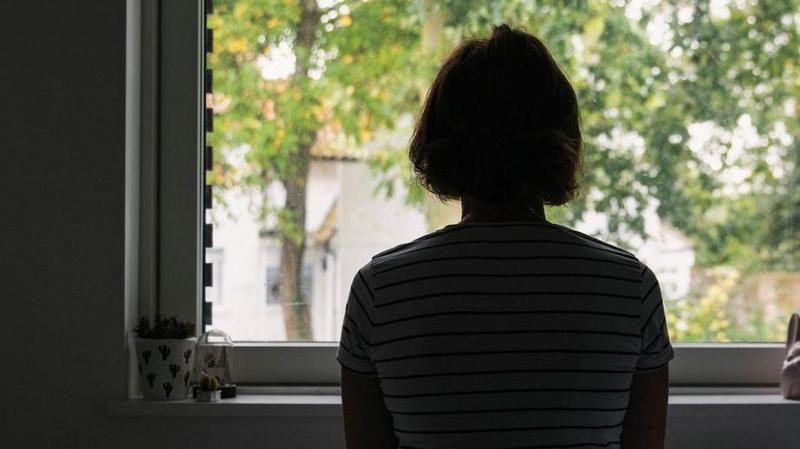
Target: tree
(742, 62)
(349, 77)
(643, 94)
(649, 89)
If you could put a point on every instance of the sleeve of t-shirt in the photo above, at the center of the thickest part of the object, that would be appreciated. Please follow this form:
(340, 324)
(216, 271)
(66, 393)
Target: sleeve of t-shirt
(354, 346)
(656, 349)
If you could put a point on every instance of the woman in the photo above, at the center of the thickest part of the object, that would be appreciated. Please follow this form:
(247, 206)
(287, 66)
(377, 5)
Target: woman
(503, 330)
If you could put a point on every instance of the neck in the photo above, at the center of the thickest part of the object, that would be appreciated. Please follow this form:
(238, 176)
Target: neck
(474, 210)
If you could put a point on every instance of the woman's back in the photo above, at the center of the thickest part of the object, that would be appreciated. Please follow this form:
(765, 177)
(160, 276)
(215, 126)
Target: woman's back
(503, 332)
(505, 335)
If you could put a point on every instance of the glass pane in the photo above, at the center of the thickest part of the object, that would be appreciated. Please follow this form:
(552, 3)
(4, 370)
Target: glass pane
(689, 114)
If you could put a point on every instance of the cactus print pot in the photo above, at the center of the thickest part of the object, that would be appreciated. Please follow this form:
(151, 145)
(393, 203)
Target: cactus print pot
(165, 368)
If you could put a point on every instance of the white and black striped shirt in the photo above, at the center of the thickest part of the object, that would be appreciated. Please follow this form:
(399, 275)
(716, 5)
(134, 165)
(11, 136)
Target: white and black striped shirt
(505, 335)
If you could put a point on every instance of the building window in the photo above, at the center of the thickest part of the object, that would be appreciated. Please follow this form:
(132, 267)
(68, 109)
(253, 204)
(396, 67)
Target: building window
(274, 283)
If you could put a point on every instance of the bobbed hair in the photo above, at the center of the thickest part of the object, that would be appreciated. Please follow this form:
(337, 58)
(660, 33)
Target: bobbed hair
(500, 124)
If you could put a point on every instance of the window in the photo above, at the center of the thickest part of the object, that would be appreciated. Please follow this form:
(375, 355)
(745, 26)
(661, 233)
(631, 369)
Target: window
(274, 284)
(703, 191)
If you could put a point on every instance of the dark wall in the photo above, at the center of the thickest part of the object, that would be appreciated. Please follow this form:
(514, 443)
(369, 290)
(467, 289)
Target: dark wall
(62, 237)
(62, 123)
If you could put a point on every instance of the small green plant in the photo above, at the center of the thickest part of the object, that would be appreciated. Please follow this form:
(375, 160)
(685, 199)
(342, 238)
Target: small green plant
(161, 327)
(209, 383)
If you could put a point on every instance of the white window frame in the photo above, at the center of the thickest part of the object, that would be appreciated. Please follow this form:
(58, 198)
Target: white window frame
(171, 210)
(171, 179)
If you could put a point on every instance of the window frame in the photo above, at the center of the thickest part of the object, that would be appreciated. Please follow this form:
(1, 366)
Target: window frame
(172, 127)
(698, 366)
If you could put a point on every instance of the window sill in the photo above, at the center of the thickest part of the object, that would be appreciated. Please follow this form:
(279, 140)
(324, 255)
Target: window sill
(244, 405)
(326, 402)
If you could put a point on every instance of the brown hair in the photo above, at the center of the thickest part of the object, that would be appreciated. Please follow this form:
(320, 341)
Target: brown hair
(500, 123)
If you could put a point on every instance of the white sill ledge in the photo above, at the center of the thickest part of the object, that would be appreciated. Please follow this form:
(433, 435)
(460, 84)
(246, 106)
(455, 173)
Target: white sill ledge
(244, 405)
(325, 402)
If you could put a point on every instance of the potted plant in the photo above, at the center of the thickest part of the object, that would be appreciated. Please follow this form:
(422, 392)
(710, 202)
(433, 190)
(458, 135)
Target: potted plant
(165, 355)
(209, 390)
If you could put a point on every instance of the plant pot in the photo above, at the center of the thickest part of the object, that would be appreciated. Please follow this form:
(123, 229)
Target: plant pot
(208, 395)
(165, 368)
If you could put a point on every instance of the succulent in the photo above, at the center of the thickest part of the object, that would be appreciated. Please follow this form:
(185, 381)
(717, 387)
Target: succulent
(209, 383)
(161, 327)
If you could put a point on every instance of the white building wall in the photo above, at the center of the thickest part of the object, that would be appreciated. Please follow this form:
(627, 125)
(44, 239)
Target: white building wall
(671, 257)
(369, 225)
(366, 223)
(242, 258)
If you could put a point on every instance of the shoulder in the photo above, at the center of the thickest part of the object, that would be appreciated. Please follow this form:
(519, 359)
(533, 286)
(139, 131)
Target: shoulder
(388, 252)
(622, 259)
(397, 253)
(403, 248)
(602, 248)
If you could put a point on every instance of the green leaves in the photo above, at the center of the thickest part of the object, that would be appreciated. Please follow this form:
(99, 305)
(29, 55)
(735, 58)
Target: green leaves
(643, 76)
(360, 76)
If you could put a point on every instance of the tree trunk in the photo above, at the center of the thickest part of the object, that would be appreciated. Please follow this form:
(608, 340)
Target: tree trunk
(433, 39)
(434, 45)
(296, 316)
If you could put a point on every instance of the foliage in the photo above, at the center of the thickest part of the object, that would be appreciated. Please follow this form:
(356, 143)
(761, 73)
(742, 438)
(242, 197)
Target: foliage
(350, 61)
(651, 82)
(641, 97)
(704, 317)
(718, 311)
(161, 327)
(353, 85)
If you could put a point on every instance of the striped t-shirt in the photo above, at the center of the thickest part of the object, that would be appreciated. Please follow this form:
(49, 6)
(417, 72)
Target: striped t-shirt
(505, 335)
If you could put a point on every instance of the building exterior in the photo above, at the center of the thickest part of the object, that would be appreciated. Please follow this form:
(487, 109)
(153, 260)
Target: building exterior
(347, 223)
(670, 255)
